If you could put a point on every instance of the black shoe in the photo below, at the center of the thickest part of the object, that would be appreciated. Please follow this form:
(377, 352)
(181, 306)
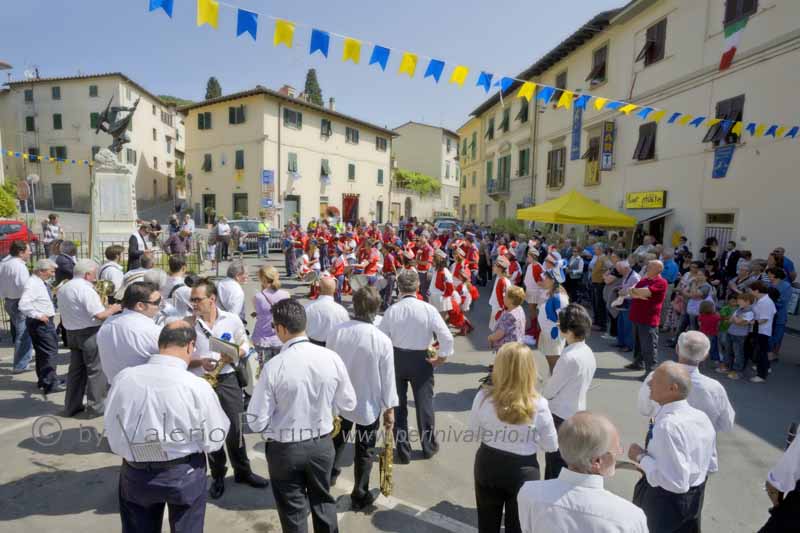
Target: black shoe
(249, 478)
(217, 488)
(334, 478)
(56, 386)
(403, 459)
(357, 505)
(634, 366)
(429, 455)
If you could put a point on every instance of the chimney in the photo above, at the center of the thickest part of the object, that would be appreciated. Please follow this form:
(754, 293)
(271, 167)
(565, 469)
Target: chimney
(332, 104)
(288, 90)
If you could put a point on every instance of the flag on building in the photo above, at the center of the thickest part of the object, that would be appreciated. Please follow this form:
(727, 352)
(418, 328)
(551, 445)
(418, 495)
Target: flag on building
(733, 36)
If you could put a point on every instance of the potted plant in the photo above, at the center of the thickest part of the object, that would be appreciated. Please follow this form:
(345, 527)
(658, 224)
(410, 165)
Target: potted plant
(210, 214)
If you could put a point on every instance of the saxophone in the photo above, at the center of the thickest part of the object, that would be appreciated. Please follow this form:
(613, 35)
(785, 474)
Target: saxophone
(104, 288)
(386, 463)
(213, 376)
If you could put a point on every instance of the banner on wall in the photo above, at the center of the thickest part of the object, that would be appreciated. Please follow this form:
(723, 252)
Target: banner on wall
(722, 160)
(577, 128)
(607, 145)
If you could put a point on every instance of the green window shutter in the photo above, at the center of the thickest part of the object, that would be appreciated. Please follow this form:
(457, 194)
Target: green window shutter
(231, 115)
(326, 169)
(380, 176)
(239, 159)
(351, 171)
(208, 120)
(200, 122)
(474, 144)
(489, 165)
(292, 162)
(94, 119)
(57, 121)
(30, 124)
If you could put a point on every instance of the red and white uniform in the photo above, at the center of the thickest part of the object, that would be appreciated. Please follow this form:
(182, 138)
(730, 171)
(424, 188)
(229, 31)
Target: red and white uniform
(424, 258)
(473, 256)
(533, 293)
(497, 300)
(373, 258)
(441, 291)
(458, 268)
(337, 267)
(514, 272)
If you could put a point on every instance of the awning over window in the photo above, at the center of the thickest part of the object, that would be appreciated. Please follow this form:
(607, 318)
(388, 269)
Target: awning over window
(643, 216)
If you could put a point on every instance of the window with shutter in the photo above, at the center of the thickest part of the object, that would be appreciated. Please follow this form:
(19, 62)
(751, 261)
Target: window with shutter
(325, 169)
(490, 129)
(351, 135)
(524, 162)
(292, 119)
(598, 72)
(33, 153)
(207, 162)
(351, 172)
(729, 112)
(92, 91)
(655, 43)
(380, 144)
(325, 129)
(29, 95)
(561, 83)
(735, 10)
(59, 152)
(57, 121)
(504, 125)
(56, 91)
(646, 146)
(522, 116)
(292, 162)
(94, 120)
(380, 176)
(489, 168)
(474, 146)
(239, 159)
(30, 124)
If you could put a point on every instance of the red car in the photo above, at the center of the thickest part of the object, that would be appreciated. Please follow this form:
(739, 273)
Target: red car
(15, 230)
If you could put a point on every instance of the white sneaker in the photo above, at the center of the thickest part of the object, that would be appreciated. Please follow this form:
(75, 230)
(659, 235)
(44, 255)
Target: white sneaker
(608, 337)
(756, 379)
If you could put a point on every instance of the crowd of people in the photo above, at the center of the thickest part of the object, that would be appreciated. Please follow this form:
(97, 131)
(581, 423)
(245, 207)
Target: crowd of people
(311, 378)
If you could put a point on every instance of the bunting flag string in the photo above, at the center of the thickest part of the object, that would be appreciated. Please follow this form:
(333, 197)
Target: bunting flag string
(44, 159)
(320, 41)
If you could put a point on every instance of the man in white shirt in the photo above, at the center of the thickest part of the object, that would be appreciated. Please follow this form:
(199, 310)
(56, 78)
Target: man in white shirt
(412, 325)
(367, 353)
(576, 502)
(36, 305)
(13, 275)
(210, 321)
(292, 407)
(764, 310)
(783, 489)
(223, 239)
(567, 387)
(231, 294)
(161, 396)
(138, 245)
(188, 224)
(676, 457)
(324, 314)
(706, 394)
(82, 313)
(130, 338)
(111, 269)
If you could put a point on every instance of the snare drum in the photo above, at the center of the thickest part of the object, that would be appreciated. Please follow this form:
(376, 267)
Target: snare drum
(357, 281)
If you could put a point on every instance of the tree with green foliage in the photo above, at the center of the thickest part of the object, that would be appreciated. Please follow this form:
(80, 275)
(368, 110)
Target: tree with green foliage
(312, 89)
(421, 184)
(8, 198)
(213, 89)
(180, 102)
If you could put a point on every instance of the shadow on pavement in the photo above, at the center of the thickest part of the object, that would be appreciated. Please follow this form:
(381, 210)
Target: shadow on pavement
(455, 368)
(460, 401)
(84, 440)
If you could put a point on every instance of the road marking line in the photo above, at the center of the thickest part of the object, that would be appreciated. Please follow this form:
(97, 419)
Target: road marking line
(402, 506)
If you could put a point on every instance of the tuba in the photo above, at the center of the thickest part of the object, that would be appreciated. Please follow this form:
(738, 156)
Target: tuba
(386, 463)
(104, 288)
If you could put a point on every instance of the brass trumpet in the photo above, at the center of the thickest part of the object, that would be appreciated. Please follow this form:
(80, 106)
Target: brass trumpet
(104, 288)
(386, 464)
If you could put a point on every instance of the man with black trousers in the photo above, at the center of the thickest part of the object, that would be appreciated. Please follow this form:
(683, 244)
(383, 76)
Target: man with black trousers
(138, 244)
(292, 407)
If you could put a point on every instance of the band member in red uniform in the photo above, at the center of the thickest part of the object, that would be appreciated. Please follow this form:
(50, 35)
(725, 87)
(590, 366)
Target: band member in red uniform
(389, 273)
(462, 299)
(473, 256)
(460, 263)
(534, 294)
(441, 290)
(424, 255)
(337, 271)
(514, 270)
(371, 260)
(501, 283)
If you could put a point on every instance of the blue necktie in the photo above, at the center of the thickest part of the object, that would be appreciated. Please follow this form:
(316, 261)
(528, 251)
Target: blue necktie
(649, 436)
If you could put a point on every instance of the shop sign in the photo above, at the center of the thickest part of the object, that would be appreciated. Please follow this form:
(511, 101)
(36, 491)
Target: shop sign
(646, 200)
(607, 146)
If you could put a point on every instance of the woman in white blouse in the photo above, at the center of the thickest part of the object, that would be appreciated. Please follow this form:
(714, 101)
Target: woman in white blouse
(513, 422)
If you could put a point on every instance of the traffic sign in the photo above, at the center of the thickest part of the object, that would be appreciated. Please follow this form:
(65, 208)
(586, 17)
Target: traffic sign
(23, 191)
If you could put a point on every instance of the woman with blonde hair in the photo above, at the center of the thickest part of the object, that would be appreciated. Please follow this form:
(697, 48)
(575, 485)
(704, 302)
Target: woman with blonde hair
(265, 339)
(513, 422)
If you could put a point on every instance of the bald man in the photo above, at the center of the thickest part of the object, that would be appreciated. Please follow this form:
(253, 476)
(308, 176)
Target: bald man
(576, 501)
(324, 314)
(647, 298)
(676, 457)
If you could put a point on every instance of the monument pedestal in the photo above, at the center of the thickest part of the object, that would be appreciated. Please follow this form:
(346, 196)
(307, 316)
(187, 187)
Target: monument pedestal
(113, 212)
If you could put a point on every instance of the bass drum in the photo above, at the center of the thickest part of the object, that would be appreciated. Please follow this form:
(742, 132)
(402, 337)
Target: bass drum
(311, 277)
(381, 283)
(358, 281)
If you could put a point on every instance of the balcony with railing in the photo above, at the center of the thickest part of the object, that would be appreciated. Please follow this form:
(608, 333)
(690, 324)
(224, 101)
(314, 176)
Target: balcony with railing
(499, 187)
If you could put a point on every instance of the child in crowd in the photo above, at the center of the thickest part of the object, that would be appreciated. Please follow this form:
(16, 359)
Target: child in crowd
(741, 325)
(511, 325)
(725, 314)
(709, 321)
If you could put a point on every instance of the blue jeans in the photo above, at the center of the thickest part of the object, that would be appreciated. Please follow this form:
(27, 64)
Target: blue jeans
(715, 348)
(339, 286)
(736, 358)
(778, 330)
(625, 328)
(288, 256)
(23, 347)
(263, 246)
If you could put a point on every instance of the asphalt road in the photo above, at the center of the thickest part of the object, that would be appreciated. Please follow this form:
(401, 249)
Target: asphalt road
(58, 474)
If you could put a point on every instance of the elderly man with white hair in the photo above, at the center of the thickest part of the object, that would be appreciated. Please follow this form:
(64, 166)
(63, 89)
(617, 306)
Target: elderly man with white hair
(324, 315)
(231, 294)
(36, 304)
(707, 395)
(576, 501)
(677, 455)
(82, 313)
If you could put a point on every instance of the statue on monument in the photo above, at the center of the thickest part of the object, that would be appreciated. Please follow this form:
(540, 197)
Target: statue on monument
(115, 121)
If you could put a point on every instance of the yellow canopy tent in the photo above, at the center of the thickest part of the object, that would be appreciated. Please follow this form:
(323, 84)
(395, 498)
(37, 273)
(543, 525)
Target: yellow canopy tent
(575, 208)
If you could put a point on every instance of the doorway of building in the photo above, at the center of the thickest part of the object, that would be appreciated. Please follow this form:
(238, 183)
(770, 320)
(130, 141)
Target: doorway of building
(408, 208)
(240, 204)
(394, 213)
(209, 200)
(291, 208)
(379, 212)
(62, 196)
(350, 208)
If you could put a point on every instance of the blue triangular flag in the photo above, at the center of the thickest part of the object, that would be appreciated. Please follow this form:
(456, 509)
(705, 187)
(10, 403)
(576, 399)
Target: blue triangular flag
(726, 127)
(17, 154)
(751, 128)
(644, 113)
(673, 118)
(505, 83)
(320, 40)
(380, 55)
(434, 70)
(771, 131)
(246, 22)
(696, 122)
(485, 81)
(614, 106)
(545, 94)
(166, 5)
(582, 101)
(793, 132)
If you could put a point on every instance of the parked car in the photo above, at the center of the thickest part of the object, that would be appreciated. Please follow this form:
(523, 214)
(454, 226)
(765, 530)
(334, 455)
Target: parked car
(15, 230)
(446, 224)
(250, 235)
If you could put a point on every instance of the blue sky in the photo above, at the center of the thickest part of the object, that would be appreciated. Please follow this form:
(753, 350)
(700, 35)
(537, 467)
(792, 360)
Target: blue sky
(174, 56)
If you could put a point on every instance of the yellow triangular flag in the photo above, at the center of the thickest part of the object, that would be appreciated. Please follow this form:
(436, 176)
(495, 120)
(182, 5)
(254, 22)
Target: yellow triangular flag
(408, 65)
(352, 50)
(566, 100)
(459, 75)
(737, 129)
(658, 115)
(58, 168)
(527, 90)
(760, 129)
(284, 33)
(208, 13)
(780, 131)
(600, 103)
(628, 108)
(685, 120)
(714, 122)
